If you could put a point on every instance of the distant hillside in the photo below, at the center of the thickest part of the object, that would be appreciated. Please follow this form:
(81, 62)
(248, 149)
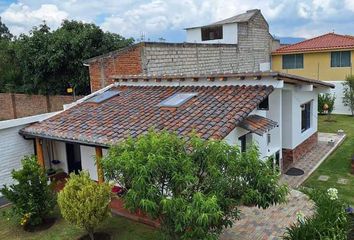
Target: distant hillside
(290, 40)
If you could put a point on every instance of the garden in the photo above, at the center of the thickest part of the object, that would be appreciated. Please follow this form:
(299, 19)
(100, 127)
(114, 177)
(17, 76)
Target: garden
(187, 185)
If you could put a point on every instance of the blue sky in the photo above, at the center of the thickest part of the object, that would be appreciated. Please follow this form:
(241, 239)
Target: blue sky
(168, 18)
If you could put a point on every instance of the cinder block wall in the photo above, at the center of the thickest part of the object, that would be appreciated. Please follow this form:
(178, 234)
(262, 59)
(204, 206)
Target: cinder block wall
(23, 105)
(254, 47)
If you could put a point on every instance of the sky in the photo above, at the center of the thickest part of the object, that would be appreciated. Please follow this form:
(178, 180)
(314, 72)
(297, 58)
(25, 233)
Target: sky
(167, 19)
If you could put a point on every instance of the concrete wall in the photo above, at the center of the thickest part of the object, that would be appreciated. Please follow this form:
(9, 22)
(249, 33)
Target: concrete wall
(339, 107)
(194, 35)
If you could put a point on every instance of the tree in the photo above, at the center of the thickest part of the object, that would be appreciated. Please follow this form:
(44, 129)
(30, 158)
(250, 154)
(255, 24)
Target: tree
(51, 61)
(4, 32)
(348, 99)
(31, 195)
(326, 100)
(85, 203)
(192, 187)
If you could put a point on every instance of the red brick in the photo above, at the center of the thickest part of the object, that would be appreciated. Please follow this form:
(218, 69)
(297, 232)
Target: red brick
(291, 156)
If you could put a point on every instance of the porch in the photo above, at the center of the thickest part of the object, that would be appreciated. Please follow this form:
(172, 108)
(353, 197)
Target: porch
(327, 143)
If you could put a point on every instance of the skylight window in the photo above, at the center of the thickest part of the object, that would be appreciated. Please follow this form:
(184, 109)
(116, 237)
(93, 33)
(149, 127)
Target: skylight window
(103, 96)
(177, 99)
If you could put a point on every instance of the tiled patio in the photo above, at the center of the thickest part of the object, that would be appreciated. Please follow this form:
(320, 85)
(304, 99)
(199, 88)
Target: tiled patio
(314, 158)
(259, 224)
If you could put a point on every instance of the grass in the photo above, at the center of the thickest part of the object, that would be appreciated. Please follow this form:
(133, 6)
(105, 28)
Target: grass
(119, 228)
(337, 165)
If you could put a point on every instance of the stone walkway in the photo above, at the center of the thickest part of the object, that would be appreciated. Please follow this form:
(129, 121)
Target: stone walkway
(271, 223)
(314, 158)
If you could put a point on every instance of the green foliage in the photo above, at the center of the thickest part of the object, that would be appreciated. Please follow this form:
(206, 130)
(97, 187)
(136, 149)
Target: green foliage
(85, 203)
(193, 187)
(329, 222)
(328, 99)
(47, 62)
(4, 32)
(31, 195)
(348, 99)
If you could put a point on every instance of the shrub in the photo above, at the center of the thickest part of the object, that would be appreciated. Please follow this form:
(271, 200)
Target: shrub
(192, 187)
(329, 222)
(327, 99)
(31, 195)
(85, 203)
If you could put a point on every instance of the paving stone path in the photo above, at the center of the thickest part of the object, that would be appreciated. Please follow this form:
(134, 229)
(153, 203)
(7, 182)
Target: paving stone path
(259, 224)
(314, 158)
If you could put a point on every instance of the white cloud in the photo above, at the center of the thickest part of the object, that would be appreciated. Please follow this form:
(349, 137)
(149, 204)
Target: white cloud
(21, 18)
(160, 17)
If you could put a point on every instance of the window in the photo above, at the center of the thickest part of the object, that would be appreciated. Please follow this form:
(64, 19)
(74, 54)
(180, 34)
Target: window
(103, 96)
(177, 99)
(340, 59)
(293, 61)
(212, 33)
(264, 105)
(242, 140)
(305, 116)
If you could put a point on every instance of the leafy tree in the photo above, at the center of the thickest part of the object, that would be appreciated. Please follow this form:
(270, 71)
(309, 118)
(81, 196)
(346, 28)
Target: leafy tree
(85, 203)
(348, 99)
(4, 32)
(31, 195)
(327, 100)
(50, 61)
(192, 187)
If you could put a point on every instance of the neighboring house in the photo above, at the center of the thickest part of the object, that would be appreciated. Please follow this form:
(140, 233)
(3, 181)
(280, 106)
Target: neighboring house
(246, 46)
(328, 58)
(14, 147)
(277, 111)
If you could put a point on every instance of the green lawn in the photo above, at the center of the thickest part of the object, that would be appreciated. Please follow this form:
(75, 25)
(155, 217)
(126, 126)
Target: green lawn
(337, 165)
(119, 228)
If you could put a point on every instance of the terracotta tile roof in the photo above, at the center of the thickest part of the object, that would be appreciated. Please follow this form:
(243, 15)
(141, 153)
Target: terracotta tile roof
(329, 41)
(213, 113)
(258, 124)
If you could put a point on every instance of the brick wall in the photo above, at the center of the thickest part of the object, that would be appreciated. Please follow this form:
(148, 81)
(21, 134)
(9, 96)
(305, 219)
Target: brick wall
(291, 156)
(23, 105)
(126, 61)
(253, 48)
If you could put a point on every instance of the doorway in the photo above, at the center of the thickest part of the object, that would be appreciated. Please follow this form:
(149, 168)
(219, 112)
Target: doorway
(73, 156)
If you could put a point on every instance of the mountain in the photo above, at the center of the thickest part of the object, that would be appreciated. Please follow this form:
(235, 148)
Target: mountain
(290, 40)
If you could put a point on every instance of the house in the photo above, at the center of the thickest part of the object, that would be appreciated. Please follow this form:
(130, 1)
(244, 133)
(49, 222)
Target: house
(14, 147)
(277, 111)
(328, 57)
(245, 47)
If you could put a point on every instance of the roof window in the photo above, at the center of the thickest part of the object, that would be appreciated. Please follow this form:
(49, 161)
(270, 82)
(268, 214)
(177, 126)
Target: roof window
(177, 99)
(103, 96)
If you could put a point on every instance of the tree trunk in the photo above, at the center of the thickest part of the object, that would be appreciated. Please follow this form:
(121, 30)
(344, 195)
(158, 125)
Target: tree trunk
(91, 235)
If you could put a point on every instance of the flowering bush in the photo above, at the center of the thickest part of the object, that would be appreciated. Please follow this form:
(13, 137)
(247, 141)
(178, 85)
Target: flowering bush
(31, 195)
(329, 222)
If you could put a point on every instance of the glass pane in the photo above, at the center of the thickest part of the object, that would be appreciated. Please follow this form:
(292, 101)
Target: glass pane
(335, 59)
(345, 59)
(299, 61)
(103, 96)
(288, 61)
(177, 99)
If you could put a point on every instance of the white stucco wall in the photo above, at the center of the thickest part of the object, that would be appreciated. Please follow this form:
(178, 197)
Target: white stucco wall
(88, 160)
(339, 107)
(292, 99)
(194, 35)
